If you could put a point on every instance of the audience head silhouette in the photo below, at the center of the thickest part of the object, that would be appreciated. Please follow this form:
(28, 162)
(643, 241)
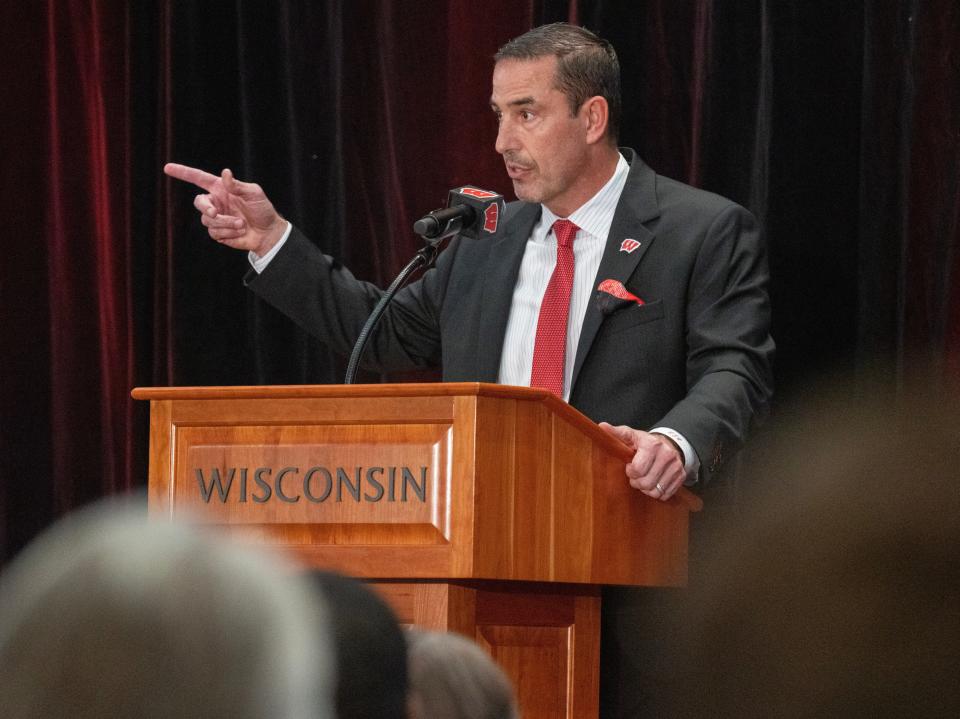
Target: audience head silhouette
(837, 593)
(370, 650)
(106, 614)
(453, 678)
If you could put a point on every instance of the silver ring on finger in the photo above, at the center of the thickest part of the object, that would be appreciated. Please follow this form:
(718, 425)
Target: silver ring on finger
(660, 489)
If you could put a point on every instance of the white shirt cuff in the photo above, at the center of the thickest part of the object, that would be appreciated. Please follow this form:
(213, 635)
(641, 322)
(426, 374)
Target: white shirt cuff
(691, 462)
(260, 263)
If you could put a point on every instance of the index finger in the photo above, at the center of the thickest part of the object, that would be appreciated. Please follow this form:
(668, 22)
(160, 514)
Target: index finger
(191, 174)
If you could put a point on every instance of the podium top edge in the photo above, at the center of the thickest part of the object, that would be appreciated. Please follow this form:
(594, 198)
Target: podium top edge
(406, 389)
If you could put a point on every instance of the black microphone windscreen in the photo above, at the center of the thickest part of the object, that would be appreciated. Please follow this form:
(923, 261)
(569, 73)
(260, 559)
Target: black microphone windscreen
(488, 206)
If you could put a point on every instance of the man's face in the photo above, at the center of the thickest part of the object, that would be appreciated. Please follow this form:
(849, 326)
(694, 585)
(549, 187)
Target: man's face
(543, 145)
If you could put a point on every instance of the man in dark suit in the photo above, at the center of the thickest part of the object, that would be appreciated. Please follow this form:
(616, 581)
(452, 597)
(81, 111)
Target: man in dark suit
(684, 350)
(640, 300)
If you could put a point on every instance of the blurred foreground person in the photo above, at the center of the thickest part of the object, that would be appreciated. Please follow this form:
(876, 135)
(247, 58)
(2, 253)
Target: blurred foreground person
(106, 615)
(370, 650)
(453, 678)
(839, 593)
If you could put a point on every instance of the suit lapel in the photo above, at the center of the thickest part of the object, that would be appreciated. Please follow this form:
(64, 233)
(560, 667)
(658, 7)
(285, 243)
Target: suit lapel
(638, 204)
(502, 268)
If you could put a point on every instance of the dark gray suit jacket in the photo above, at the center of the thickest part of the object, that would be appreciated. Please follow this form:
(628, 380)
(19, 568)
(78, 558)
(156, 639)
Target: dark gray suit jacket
(696, 357)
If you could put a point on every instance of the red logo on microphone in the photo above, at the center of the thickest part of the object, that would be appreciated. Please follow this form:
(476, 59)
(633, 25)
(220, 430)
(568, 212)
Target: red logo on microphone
(629, 246)
(478, 193)
(490, 217)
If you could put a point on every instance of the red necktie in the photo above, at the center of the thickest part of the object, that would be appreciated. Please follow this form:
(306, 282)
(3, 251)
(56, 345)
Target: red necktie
(550, 345)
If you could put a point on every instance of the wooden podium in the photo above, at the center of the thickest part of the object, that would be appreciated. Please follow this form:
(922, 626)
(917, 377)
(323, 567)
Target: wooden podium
(489, 510)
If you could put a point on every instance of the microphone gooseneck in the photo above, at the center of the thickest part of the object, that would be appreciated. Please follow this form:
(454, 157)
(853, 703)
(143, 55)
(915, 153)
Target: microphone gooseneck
(423, 258)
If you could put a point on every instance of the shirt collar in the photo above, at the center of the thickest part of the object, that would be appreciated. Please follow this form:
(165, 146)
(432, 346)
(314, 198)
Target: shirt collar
(596, 215)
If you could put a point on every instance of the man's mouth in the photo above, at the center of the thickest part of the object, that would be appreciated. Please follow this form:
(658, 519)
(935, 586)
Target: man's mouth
(516, 171)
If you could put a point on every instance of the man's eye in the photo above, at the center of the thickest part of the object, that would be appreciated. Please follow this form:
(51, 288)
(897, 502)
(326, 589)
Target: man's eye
(526, 115)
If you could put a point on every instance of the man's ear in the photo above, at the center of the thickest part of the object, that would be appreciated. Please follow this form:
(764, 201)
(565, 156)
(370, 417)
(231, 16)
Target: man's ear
(596, 115)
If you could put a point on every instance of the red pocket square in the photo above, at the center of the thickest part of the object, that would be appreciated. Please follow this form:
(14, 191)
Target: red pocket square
(616, 288)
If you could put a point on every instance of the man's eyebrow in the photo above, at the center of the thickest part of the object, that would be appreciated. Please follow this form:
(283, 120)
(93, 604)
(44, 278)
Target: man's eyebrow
(529, 100)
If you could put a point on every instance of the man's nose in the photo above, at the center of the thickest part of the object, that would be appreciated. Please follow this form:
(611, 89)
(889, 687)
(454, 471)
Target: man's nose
(506, 138)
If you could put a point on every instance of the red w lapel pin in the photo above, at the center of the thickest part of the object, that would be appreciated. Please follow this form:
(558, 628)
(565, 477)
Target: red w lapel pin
(629, 245)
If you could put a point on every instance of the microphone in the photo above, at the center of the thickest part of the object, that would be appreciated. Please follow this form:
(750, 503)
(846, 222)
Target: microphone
(470, 212)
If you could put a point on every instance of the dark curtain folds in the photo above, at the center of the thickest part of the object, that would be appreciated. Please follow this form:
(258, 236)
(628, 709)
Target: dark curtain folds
(26, 481)
(836, 123)
(909, 202)
(931, 235)
(68, 427)
(760, 102)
